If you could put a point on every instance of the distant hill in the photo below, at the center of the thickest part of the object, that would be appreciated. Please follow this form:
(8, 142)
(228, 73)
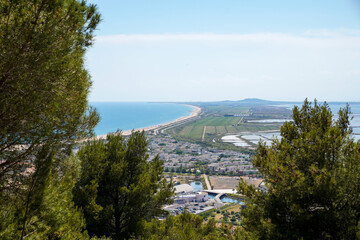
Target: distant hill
(255, 100)
(243, 102)
(249, 102)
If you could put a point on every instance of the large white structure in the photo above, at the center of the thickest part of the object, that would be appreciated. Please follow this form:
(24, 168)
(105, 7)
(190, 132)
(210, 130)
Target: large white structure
(183, 198)
(183, 188)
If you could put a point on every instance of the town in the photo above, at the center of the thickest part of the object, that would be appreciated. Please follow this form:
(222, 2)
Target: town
(205, 178)
(187, 157)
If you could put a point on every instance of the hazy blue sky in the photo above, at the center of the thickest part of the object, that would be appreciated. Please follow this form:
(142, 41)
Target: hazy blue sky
(204, 50)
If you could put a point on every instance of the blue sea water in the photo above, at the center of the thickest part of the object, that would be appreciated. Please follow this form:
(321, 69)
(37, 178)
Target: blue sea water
(133, 115)
(335, 107)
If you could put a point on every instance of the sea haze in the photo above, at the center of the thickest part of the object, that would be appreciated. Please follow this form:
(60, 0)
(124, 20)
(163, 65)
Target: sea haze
(134, 115)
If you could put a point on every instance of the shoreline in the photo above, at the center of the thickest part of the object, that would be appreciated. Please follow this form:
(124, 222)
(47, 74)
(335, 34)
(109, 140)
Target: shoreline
(196, 112)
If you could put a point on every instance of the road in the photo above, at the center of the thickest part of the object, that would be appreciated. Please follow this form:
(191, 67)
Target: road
(217, 191)
(203, 135)
(207, 182)
(218, 201)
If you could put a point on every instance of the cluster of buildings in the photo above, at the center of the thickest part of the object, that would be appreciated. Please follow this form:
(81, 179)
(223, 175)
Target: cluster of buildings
(241, 167)
(185, 194)
(179, 156)
(186, 199)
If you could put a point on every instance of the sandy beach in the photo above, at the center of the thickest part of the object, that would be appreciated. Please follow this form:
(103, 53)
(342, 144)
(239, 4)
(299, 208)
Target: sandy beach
(196, 112)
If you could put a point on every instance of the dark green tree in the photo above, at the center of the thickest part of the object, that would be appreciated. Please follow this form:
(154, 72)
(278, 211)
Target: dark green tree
(119, 187)
(312, 176)
(191, 227)
(43, 82)
(43, 106)
(48, 211)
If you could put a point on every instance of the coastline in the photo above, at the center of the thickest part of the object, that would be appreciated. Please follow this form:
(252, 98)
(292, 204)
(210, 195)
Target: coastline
(196, 112)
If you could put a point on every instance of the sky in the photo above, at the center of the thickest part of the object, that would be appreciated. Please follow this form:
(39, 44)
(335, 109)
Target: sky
(213, 50)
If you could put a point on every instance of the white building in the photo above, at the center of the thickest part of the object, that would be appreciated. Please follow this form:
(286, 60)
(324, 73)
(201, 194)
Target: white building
(182, 198)
(183, 188)
(202, 196)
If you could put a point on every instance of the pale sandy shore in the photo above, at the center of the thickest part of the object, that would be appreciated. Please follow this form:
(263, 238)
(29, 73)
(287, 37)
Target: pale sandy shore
(196, 112)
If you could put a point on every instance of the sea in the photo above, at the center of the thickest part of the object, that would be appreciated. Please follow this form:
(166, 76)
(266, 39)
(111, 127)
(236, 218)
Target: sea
(133, 115)
(335, 107)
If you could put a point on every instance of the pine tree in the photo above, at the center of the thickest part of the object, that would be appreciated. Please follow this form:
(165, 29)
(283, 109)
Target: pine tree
(312, 179)
(119, 187)
(43, 107)
(43, 83)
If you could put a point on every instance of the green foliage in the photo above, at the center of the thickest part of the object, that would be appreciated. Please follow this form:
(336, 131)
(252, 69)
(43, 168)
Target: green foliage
(179, 152)
(49, 212)
(119, 188)
(312, 177)
(191, 227)
(43, 82)
(43, 111)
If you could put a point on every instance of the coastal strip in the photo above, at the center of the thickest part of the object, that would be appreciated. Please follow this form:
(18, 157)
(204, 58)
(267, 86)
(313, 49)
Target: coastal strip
(194, 114)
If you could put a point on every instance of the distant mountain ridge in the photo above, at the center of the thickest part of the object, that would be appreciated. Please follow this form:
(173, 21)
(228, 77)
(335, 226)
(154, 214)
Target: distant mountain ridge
(261, 102)
(254, 100)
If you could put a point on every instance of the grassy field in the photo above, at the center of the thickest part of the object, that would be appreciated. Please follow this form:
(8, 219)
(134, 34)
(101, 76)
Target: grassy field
(225, 109)
(216, 127)
(218, 121)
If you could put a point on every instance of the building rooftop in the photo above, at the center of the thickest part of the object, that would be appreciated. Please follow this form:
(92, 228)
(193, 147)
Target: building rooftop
(183, 188)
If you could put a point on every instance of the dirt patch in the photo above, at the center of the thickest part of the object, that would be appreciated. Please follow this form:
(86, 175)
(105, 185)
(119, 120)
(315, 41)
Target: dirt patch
(220, 182)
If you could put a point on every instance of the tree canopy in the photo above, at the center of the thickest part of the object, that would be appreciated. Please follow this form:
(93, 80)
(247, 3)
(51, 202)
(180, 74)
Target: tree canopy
(312, 176)
(119, 187)
(191, 227)
(43, 111)
(43, 82)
